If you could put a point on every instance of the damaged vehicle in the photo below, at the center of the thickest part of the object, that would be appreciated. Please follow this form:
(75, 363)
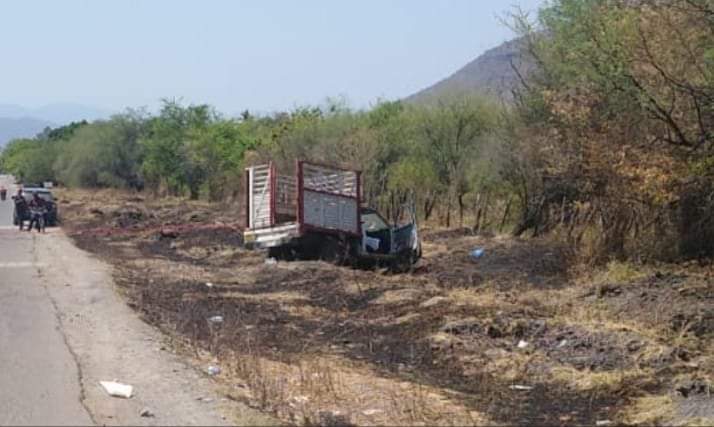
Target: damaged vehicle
(317, 213)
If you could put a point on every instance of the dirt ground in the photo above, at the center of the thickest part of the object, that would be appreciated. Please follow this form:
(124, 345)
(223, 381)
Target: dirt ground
(519, 336)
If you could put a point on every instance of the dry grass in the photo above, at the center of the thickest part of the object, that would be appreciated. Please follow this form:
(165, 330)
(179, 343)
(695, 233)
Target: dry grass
(605, 382)
(649, 410)
(697, 421)
(324, 390)
(477, 298)
(399, 296)
(279, 297)
(620, 272)
(596, 316)
(512, 367)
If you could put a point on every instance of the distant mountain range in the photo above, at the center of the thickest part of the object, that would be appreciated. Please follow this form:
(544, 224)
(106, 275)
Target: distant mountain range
(21, 122)
(20, 128)
(490, 74)
(55, 113)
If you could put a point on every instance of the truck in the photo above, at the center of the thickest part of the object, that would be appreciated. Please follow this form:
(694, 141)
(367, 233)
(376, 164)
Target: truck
(317, 213)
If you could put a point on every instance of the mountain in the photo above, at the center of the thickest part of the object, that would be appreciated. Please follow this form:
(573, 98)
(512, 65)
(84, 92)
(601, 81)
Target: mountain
(20, 122)
(56, 113)
(489, 74)
(11, 128)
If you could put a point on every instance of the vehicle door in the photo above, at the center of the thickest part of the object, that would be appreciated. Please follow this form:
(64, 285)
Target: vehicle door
(405, 237)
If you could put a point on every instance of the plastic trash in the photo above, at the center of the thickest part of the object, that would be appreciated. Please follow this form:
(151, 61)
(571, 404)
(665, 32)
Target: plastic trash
(117, 389)
(522, 344)
(601, 423)
(477, 253)
(209, 284)
(271, 261)
(213, 370)
(216, 319)
(521, 387)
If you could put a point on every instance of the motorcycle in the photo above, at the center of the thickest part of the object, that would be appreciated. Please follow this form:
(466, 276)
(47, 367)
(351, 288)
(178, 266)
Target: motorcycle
(38, 218)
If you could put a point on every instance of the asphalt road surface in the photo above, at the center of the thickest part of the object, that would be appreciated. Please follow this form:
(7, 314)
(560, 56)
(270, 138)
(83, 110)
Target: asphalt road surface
(38, 375)
(63, 329)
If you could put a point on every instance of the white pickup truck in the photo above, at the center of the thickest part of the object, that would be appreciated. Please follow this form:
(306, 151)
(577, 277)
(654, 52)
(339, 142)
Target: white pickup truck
(317, 213)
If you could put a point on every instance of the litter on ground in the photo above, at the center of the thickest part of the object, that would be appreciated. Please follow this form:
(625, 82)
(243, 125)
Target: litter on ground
(117, 389)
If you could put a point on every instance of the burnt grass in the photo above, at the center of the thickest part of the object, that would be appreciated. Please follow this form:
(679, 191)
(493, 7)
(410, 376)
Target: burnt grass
(396, 350)
(352, 316)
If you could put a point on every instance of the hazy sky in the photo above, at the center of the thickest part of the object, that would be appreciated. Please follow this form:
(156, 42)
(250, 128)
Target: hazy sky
(235, 54)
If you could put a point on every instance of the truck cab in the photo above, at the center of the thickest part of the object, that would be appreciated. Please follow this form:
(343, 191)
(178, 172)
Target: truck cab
(380, 239)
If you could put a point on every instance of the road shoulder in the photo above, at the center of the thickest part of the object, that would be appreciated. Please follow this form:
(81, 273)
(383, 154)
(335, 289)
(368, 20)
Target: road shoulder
(110, 342)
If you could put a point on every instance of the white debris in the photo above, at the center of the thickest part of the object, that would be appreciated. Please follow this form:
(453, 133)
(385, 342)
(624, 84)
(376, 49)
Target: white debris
(600, 423)
(300, 399)
(209, 284)
(522, 344)
(372, 242)
(370, 412)
(521, 387)
(216, 319)
(117, 389)
(271, 261)
(563, 344)
(433, 301)
(213, 370)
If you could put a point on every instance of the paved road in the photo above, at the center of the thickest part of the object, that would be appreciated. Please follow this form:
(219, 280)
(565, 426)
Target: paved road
(63, 329)
(38, 375)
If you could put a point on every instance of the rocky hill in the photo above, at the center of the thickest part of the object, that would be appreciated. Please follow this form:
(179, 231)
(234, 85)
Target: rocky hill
(491, 73)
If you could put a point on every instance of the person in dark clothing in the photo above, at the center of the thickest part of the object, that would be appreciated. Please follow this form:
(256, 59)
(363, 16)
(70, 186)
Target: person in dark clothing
(22, 211)
(38, 212)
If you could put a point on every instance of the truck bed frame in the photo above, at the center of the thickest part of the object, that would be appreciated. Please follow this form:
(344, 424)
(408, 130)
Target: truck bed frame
(318, 198)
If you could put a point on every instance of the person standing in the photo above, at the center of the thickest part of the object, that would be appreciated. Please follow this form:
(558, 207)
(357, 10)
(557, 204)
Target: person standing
(21, 209)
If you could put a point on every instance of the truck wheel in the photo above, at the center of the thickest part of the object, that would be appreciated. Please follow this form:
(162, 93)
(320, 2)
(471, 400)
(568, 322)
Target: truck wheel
(404, 262)
(334, 251)
(274, 252)
(282, 253)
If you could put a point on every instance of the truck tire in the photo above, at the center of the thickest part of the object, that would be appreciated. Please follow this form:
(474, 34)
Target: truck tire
(282, 253)
(404, 263)
(335, 250)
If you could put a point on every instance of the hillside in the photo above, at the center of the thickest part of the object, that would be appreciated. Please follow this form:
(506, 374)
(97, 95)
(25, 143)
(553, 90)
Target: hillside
(11, 128)
(491, 74)
(61, 114)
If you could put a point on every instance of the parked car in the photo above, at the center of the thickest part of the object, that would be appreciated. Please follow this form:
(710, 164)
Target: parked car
(46, 195)
(318, 213)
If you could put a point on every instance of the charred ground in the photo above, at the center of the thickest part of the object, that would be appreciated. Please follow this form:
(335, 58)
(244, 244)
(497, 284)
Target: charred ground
(316, 343)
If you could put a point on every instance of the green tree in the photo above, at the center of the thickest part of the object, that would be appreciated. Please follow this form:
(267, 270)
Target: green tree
(453, 134)
(167, 162)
